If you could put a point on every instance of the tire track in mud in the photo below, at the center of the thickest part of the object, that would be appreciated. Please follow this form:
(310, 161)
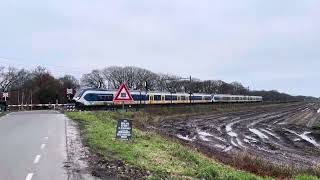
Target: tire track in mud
(282, 135)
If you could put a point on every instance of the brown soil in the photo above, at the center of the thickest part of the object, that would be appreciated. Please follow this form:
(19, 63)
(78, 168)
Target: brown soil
(286, 136)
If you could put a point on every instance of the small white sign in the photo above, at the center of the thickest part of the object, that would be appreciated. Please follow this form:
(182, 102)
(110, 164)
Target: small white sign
(5, 94)
(69, 91)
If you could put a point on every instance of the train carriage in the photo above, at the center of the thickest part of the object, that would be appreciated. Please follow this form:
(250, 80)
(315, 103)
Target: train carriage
(99, 97)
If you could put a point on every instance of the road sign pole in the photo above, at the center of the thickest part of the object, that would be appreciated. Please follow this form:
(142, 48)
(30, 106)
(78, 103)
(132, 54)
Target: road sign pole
(123, 110)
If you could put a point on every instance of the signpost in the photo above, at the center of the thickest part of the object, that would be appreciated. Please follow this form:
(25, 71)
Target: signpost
(69, 93)
(124, 129)
(5, 95)
(123, 95)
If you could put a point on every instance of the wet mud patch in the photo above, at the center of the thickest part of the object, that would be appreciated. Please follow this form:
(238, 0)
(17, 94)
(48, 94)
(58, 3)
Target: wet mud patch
(115, 169)
(281, 136)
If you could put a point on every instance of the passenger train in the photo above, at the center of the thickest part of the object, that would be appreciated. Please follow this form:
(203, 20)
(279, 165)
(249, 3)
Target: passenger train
(97, 97)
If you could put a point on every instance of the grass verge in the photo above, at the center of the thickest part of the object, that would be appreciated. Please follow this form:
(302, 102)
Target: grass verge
(161, 157)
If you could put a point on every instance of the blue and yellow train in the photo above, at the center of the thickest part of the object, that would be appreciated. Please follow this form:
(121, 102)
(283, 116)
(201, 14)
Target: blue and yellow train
(97, 97)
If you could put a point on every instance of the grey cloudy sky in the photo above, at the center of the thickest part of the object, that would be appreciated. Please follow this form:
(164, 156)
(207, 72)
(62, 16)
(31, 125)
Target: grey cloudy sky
(267, 44)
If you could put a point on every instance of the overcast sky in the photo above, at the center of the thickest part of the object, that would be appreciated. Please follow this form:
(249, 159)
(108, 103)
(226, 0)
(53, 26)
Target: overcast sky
(271, 44)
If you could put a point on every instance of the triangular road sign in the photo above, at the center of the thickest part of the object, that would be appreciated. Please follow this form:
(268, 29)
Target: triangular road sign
(123, 94)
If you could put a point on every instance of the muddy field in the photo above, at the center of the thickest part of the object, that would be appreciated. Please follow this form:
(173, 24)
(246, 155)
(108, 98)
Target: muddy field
(287, 134)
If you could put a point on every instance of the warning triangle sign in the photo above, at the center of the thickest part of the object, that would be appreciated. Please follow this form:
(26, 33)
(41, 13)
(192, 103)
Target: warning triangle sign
(123, 94)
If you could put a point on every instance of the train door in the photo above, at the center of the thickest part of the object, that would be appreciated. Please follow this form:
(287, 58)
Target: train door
(188, 99)
(151, 99)
(179, 99)
(162, 99)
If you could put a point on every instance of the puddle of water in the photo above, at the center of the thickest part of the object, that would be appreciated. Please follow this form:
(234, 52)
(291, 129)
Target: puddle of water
(227, 149)
(305, 137)
(309, 139)
(234, 143)
(203, 138)
(220, 146)
(259, 133)
(185, 137)
(270, 133)
(239, 142)
(220, 138)
(203, 135)
(251, 138)
(232, 134)
(282, 123)
(229, 129)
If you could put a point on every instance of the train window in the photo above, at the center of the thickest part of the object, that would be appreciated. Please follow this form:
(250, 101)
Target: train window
(196, 97)
(207, 98)
(171, 98)
(98, 97)
(137, 97)
(104, 97)
(183, 98)
(157, 97)
(90, 97)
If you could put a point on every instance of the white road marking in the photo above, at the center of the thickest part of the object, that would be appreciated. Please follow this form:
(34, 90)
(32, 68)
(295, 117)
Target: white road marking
(43, 146)
(29, 176)
(37, 159)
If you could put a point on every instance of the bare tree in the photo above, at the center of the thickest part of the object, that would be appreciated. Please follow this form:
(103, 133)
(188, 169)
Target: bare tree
(8, 77)
(69, 81)
(93, 79)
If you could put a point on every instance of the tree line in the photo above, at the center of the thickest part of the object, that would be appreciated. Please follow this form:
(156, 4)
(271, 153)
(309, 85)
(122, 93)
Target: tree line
(37, 86)
(40, 86)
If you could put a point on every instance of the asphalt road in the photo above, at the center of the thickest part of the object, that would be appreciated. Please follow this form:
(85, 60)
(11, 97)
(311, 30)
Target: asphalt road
(33, 146)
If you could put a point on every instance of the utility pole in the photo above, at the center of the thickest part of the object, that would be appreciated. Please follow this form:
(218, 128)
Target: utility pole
(22, 99)
(190, 92)
(19, 98)
(146, 88)
(31, 100)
